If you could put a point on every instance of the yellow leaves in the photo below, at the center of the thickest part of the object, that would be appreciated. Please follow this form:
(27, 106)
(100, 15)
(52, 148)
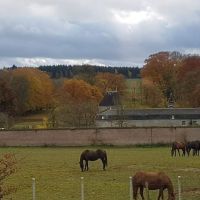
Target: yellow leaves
(79, 91)
(109, 81)
(36, 86)
(78, 103)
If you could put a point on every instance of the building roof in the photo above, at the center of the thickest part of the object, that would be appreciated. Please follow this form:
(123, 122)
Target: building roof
(110, 99)
(155, 113)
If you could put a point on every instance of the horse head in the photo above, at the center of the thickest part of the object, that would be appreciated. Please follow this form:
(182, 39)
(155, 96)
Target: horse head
(81, 165)
(172, 197)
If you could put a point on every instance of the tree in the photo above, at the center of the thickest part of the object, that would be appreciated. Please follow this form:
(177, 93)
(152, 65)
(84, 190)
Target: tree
(6, 93)
(189, 81)
(161, 69)
(189, 89)
(152, 96)
(8, 166)
(33, 89)
(189, 63)
(110, 81)
(78, 103)
(85, 72)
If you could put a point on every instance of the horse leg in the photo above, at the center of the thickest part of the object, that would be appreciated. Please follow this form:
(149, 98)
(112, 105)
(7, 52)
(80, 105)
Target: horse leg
(193, 152)
(86, 165)
(178, 152)
(183, 152)
(160, 195)
(135, 190)
(172, 152)
(103, 162)
(141, 192)
(188, 152)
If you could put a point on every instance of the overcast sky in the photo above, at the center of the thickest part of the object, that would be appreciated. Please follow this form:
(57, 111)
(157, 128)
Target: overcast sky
(110, 32)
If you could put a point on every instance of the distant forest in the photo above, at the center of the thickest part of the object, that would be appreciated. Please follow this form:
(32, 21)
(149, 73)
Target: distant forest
(69, 71)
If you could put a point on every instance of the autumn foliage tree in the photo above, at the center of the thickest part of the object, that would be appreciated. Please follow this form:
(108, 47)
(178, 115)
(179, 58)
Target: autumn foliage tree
(110, 81)
(78, 103)
(189, 81)
(175, 75)
(33, 89)
(6, 93)
(161, 69)
(151, 95)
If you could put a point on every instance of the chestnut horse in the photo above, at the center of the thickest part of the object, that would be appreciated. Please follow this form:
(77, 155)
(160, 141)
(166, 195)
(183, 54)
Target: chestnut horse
(154, 181)
(176, 146)
(92, 156)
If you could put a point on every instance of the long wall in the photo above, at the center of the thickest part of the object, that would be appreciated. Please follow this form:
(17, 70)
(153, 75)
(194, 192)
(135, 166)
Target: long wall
(104, 136)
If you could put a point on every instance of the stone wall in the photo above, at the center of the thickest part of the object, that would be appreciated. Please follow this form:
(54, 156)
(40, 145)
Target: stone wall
(105, 136)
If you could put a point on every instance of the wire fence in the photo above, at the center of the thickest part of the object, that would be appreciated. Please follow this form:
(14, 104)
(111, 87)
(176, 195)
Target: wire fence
(147, 194)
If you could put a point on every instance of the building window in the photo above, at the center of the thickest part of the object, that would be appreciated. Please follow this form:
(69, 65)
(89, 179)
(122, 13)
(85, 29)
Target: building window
(194, 123)
(183, 123)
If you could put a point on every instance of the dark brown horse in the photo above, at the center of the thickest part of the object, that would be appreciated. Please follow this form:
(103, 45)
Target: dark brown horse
(89, 155)
(193, 145)
(176, 146)
(154, 181)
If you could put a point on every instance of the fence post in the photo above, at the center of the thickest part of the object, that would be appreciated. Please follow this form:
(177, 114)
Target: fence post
(82, 189)
(130, 188)
(147, 190)
(179, 188)
(33, 188)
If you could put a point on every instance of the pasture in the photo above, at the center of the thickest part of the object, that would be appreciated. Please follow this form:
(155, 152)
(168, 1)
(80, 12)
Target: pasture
(57, 172)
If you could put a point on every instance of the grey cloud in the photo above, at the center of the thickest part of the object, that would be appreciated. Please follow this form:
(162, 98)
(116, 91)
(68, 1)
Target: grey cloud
(75, 29)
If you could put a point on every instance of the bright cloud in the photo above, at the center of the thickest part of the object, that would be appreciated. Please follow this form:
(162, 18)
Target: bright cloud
(136, 17)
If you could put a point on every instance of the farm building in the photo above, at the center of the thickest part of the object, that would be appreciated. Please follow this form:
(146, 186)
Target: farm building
(158, 117)
(110, 100)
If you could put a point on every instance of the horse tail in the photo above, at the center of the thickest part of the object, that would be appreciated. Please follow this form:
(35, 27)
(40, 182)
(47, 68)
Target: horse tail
(105, 159)
(82, 157)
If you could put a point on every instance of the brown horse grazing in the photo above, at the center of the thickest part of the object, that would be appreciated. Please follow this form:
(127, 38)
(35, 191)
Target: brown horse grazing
(176, 146)
(195, 146)
(92, 156)
(155, 181)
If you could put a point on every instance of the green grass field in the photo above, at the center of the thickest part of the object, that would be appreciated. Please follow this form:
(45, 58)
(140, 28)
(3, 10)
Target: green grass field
(57, 172)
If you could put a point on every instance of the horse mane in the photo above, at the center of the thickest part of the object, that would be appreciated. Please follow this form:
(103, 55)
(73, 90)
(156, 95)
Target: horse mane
(170, 188)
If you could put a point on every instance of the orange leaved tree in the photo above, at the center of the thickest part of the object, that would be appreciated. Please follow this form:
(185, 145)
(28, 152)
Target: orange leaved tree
(78, 103)
(161, 70)
(33, 89)
(109, 81)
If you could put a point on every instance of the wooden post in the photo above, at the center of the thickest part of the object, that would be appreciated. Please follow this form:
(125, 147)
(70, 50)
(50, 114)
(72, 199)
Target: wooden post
(82, 188)
(179, 188)
(33, 188)
(130, 188)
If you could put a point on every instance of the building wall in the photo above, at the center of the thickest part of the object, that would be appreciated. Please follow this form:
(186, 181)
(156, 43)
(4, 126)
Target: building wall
(147, 123)
(107, 136)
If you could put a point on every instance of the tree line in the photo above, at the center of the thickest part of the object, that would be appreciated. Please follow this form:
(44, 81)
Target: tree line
(69, 102)
(165, 77)
(70, 71)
